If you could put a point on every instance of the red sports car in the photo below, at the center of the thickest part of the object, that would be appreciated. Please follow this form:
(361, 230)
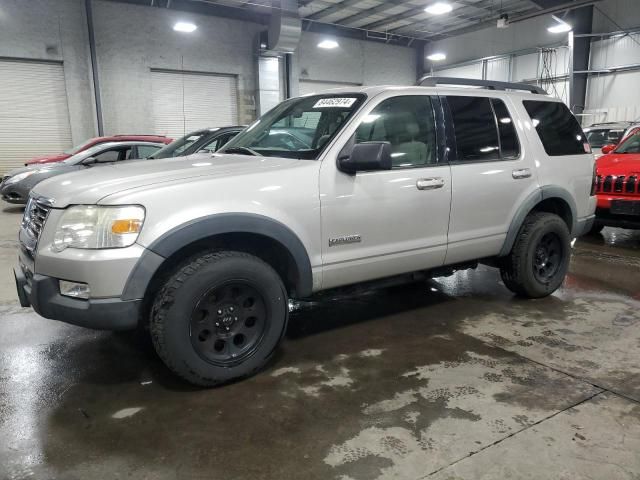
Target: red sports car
(95, 141)
(618, 185)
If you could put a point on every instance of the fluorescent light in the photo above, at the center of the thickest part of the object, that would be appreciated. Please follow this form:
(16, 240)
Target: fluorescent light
(328, 44)
(438, 8)
(561, 27)
(185, 27)
(436, 57)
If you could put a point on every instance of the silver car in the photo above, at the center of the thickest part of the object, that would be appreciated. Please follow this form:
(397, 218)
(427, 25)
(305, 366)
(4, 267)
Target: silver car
(17, 184)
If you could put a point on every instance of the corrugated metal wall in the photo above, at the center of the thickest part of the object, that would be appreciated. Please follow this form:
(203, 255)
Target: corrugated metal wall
(614, 96)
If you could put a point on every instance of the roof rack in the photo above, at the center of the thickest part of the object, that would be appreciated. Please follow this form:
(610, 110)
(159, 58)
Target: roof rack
(428, 81)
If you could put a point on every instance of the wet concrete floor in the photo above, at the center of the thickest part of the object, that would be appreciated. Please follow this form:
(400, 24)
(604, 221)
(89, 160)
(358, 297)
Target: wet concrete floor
(450, 379)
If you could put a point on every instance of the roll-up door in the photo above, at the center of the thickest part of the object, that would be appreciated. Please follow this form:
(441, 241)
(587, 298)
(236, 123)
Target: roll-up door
(184, 101)
(34, 113)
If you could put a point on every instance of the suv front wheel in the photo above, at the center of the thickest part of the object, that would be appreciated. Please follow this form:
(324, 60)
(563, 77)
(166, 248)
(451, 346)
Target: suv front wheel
(540, 256)
(219, 317)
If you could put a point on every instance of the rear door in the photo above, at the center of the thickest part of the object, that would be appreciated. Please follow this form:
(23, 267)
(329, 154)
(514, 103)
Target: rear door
(492, 173)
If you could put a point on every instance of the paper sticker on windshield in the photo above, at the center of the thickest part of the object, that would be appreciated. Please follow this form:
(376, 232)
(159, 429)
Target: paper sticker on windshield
(334, 103)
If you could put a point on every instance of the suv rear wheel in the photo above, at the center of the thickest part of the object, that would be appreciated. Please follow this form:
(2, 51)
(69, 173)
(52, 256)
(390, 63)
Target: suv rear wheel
(219, 317)
(540, 256)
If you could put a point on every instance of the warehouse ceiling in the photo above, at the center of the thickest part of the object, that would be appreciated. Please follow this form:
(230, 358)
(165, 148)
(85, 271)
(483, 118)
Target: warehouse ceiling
(389, 18)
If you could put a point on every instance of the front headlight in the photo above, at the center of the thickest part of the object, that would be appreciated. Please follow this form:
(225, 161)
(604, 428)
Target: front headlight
(93, 226)
(19, 177)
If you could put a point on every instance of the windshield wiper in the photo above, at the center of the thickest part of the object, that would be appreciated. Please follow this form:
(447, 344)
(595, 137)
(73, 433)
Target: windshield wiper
(245, 150)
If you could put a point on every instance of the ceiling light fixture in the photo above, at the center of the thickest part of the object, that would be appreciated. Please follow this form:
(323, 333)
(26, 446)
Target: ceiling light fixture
(439, 8)
(328, 44)
(185, 27)
(560, 27)
(436, 57)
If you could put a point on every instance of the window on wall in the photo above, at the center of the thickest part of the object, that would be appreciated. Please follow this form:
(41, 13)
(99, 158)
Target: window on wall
(557, 128)
(408, 124)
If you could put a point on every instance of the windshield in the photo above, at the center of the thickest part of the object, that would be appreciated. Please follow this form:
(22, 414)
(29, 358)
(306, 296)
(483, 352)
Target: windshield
(78, 148)
(183, 146)
(631, 144)
(297, 128)
(604, 136)
(79, 157)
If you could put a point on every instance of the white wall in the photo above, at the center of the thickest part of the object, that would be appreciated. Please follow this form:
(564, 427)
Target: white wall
(131, 40)
(48, 30)
(355, 61)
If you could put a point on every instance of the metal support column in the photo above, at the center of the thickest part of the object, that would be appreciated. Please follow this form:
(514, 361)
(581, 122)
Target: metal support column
(94, 66)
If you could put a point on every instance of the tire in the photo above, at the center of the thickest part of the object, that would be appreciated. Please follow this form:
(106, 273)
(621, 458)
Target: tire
(539, 259)
(219, 317)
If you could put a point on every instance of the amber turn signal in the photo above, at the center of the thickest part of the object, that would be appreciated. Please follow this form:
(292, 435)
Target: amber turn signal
(124, 226)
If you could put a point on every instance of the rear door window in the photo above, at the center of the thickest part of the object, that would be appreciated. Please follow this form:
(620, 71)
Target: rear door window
(509, 145)
(557, 128)
(475, 128)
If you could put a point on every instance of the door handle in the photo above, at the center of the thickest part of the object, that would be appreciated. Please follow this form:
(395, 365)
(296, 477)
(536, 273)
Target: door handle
(522, 173)
(430, 183)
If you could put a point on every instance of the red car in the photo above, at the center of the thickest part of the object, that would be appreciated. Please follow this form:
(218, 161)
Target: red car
(95, 141)
(618, 185)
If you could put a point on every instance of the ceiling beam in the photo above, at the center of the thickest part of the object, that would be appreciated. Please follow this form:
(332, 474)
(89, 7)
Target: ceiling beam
(333, 9)
(483, 6)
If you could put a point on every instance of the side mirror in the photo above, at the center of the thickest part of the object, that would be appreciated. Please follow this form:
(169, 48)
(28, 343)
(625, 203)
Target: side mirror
(608, 148)
(89, 161)
(366, 156)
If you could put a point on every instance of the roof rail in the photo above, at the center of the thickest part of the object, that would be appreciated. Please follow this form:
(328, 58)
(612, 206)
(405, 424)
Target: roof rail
(428, 81)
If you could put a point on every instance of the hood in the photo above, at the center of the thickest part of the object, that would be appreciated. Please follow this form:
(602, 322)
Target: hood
(29, 168)
(619, 164)
(48, 159)
(90, 185)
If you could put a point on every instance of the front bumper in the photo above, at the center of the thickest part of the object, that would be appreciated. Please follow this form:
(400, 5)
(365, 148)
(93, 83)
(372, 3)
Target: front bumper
(42, 293)
(606, 218)
(14, 193)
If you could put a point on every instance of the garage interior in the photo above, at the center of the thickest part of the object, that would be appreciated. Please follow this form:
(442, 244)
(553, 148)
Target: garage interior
(452, 378)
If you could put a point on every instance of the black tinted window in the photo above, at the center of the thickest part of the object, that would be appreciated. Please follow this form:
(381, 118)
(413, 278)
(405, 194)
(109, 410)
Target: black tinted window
(475, 128)
(408, 124)
(557, 128)
(509, 146)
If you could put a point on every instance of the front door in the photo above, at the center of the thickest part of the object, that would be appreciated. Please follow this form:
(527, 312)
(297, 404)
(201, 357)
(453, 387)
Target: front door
(381, 223)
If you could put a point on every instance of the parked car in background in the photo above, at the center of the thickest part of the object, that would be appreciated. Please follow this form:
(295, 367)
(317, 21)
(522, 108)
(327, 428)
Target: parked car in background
(618, 185)
(600, 135)
(16, 185)
(97, 141)
(207, 140)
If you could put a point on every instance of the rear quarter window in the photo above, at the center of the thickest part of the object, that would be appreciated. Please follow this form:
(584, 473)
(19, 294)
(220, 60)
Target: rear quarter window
(557, 128)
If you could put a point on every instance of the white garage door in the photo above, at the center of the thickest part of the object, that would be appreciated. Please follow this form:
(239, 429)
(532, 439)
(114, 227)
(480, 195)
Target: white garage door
(183, 102)
(312, 86)
(34, 114)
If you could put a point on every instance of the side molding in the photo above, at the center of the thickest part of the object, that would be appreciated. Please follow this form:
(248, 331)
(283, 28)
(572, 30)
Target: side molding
(204, 227)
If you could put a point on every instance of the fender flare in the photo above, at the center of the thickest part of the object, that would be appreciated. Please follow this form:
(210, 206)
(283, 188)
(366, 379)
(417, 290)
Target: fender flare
(204, 227)
(543, 193)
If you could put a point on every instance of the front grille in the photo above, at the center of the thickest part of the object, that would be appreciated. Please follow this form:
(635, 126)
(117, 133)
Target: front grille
(35, 214)
(617, 184)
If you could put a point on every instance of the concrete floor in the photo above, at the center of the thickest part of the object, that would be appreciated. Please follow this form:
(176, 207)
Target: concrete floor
(453, 379)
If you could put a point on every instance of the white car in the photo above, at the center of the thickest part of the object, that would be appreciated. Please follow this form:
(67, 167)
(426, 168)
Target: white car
(348, 186)
(603, 134)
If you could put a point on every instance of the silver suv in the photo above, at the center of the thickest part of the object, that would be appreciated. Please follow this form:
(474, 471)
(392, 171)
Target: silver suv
(323, 191)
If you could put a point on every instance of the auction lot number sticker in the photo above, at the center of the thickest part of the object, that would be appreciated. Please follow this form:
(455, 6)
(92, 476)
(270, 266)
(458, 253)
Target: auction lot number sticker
(334, 103)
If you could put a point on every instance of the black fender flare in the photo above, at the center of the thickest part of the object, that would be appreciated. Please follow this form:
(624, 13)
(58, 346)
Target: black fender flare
(543, 193)
(204, 227)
